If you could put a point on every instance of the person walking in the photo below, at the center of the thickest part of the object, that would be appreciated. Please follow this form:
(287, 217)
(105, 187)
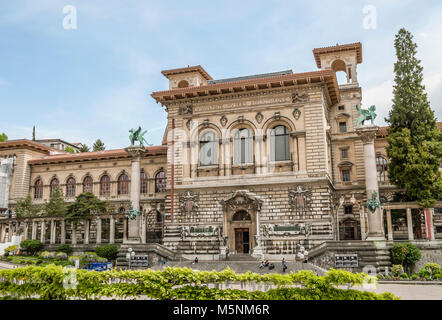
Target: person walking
(284, 265)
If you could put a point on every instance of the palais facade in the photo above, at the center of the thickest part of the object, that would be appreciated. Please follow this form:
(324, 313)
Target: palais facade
(258, 164)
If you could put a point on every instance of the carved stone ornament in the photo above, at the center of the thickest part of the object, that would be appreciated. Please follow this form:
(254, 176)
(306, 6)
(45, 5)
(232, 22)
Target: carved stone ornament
(297, 113)
(300, 199)
(259, 117)
(187, 109)
(188, 202)
(223, 121)
(189, 124)
(206, 123)
(199, 231)
(287, 229)
(241, 199)
(277, 116)
(299, 98)
(241, 119)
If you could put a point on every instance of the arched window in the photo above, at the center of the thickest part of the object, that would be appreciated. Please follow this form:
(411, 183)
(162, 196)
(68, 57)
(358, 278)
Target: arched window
(70, 187)
(381, 167)
(160, 182)
(183, 84)
(53, 185)
(143, 182)
(241, 216)
(38, 189)
(87, 184)
(209, 149)
(279, 144)
(243, 147)
(123, 184)
(104, 185)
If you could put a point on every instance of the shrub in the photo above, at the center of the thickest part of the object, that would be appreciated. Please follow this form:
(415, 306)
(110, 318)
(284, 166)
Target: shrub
(406, 254)
(47, 255)
(430, 271)
(109, 251)
(11, 250)
(65, 248)
(181, 283)
(31, 246)
(404, 276)
(61, 255)
(414, 277)
(397, 270)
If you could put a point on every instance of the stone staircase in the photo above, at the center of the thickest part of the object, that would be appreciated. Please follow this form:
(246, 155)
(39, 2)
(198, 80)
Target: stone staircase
(241, 264)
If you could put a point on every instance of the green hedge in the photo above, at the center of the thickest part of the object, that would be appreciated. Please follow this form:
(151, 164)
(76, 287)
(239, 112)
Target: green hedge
(178, 283)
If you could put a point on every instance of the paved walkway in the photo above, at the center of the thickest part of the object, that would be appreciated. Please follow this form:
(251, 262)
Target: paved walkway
(412, 291)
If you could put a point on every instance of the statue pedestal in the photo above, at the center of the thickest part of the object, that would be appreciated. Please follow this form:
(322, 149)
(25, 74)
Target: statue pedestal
(375, 227)
(134, 226)
(257, 253)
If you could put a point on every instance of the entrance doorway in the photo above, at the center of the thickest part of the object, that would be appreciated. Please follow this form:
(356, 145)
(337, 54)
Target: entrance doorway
(242, 240)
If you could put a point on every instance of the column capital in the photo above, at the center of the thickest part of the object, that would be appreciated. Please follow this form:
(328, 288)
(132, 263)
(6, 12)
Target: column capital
(367, 133)
(135, 151)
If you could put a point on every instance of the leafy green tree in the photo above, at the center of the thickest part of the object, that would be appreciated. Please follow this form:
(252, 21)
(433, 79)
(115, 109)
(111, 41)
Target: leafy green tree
(109, 251)
(3, 137)
(25, 208)
(31, 246)
(56, 206)
(65, 248)
(414, 142)
(406, 254)
(98, 145)
(69, 149)
(84, 206)
(84, 148)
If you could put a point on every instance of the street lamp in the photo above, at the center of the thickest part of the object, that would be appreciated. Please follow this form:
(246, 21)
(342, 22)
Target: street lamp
(129, 254)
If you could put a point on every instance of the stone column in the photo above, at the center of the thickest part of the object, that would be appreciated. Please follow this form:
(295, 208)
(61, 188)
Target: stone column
(429, 226)
(73, 235)
(125, 230)
(43, 231)
(1, 232)
(389, 225)
(112, 230)
(9, 231)
(98, 239)
(86, 232)
(25, 231)
(62, 231)
(134, 235)
(143, 228)
(375, 227)
(53, 226)
(410, 224)
(34, 230)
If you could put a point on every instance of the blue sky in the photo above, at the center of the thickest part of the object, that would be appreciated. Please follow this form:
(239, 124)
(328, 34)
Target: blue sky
(95, 81)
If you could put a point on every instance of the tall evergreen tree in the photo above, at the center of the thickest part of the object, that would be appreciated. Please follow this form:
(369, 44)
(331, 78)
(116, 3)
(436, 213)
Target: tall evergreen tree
(84, 148)
(56, 206)
(98, 145)
(414, 142)
(26, 208)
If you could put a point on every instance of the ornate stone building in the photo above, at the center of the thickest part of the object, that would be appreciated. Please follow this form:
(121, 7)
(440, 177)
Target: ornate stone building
(258, 164)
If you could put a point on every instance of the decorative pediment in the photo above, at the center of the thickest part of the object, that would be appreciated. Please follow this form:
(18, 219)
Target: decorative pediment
(242, 199)
(300, 199)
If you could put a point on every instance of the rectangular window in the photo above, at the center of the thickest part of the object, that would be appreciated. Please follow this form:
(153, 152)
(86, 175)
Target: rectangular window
(348, 209)
(342, 127)
(340, 108)
(345, 175)
(344, 153)
(438, 229)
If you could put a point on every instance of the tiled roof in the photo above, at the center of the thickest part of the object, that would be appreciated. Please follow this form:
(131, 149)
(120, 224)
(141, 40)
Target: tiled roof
(29, 144)
(326, 76)
(95, 155)
(255, 76)
(338, 48)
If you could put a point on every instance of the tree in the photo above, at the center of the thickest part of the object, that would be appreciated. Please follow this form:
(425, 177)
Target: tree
(69, 149)
(56, 206)
(406, 254)
(3, 137)
(414, 142)
(98, 145)
(84, 206)
(25, 208)
(31, 246)
(84, 148)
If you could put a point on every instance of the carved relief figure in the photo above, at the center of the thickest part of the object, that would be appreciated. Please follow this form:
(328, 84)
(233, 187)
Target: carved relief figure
(300, 200)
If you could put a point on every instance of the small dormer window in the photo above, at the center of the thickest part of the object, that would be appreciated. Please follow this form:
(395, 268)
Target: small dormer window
(183, 84)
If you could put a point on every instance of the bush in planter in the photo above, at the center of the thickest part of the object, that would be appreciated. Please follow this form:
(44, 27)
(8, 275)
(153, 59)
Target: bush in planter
(61, 255)
(430, 271)
(397, 270)
(65, 248)
(404, 276)
(10, 250)
(31, 246)
(406, 254)
(109, 251)
(47, 255)
(414, 277)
